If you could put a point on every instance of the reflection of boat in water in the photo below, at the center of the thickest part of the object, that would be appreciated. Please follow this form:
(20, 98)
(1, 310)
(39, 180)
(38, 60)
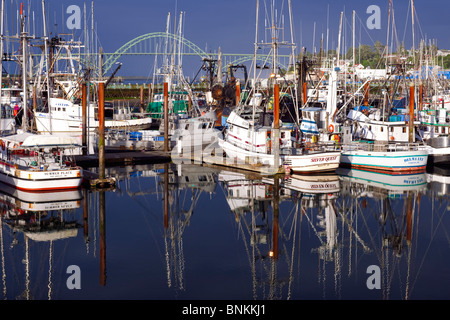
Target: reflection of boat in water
(385, 209)
(439, 182)
(34, 213)
(389, 182)
(35, 221)
(325, 183)
(182, 187)
(270, 233)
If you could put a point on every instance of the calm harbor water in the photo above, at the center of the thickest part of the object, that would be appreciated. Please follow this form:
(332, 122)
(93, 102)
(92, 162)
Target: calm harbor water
(191, 232)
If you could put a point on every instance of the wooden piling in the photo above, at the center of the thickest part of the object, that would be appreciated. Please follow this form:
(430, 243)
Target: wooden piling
(276, 126)
(84, 118)
(166, 117)
(366, 93)
(411, 113)
(305, 92)
(238, 93)
(142, 99)
(420, 97)
(101, 130)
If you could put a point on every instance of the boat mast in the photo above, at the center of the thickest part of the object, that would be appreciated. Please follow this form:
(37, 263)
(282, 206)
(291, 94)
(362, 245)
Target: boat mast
(44, 24)
(254, 74)
(1, 52)
(24, 69)
(294, 95)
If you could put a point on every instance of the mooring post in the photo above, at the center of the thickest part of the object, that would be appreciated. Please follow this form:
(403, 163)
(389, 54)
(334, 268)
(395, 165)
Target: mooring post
(142, 99)
(84, 119)
(276, 127)
(101, 130)
(411, 112)
(166, 117)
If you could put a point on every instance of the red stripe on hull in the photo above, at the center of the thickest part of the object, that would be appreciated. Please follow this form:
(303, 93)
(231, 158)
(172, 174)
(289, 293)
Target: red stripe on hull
(386, 170)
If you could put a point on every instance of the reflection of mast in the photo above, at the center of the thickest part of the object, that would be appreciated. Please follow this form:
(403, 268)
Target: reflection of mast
(187, 180)
(248, 198)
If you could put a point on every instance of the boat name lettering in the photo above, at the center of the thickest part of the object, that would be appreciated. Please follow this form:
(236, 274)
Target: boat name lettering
(323, 186)
(323, 159)
(413, 159)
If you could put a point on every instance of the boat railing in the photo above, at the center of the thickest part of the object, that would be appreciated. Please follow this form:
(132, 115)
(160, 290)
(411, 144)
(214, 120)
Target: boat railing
(380, 146)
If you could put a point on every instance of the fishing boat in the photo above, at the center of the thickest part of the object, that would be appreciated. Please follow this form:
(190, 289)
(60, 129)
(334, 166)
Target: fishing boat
(434, 129)
(388, 157)
(247, 141)
(62, 112)
(257, 139)
(35, 162)
(192, 135)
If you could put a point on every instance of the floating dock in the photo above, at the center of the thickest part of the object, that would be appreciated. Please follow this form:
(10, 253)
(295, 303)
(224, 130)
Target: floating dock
(123, 158)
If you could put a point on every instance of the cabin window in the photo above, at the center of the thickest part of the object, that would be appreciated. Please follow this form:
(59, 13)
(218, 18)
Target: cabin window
(283, 135)
(404, 129)
(392, 129)
(443, 130)
(436, 130)
(381, 129)
(370, 128)
(187, 126)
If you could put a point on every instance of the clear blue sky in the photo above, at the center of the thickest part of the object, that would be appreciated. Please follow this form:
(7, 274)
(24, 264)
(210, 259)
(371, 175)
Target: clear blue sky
(231, 24)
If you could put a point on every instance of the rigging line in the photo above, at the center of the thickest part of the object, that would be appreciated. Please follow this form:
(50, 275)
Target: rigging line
(427, 249)
(406, 23)
(358, 208)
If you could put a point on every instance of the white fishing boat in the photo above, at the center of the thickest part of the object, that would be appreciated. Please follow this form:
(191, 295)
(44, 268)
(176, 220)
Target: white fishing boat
(434, 130)
(66, 116)
(256, 138)
(35, 162)
(251, 143)
(192, 135)
(388, 157)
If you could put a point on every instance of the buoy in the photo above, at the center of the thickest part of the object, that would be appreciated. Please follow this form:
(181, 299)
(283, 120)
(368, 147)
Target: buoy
(331, 128)
(392, 138)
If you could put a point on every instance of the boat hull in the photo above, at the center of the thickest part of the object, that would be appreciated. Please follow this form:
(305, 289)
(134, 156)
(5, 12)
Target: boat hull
(296, 163)
(394, 162)
(74, 125)
(40, 180)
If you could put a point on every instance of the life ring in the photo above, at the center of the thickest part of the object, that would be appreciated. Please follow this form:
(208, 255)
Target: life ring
(392, 138)
(331, 128)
